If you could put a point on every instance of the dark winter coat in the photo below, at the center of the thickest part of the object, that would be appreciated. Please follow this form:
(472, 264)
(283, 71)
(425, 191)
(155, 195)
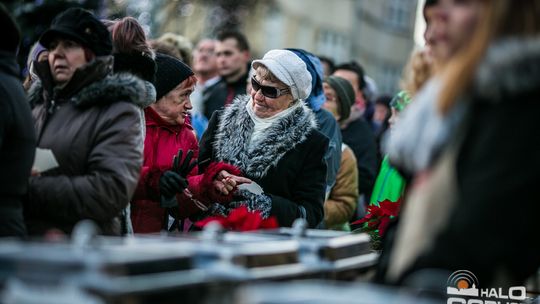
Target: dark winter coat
(492, 228)
(223, 93)
(17, 147)
(288, 163)
(94, 128)
(359, 136)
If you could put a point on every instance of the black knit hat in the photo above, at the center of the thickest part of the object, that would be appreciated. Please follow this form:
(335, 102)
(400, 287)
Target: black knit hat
(170, 73)
(81, 26)
(141, 65)
(345, 95)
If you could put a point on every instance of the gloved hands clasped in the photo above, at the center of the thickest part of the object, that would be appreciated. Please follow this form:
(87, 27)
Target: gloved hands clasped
(175, 181)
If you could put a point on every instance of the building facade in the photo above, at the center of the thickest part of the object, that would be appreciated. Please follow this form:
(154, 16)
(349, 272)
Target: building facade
(379, 34)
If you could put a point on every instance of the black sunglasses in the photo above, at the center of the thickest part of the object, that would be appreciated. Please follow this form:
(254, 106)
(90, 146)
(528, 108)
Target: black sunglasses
(270, 92)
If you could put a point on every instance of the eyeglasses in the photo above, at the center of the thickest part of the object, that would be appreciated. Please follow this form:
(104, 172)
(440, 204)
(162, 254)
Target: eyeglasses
(270, 92)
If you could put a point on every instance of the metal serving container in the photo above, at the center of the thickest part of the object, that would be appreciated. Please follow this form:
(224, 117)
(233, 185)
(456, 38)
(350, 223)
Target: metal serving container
(112, 270)
(200, 267)
(242, 257)
(324, 292)
(339, 255)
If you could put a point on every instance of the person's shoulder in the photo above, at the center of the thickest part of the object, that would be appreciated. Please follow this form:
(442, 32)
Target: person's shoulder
(316, 137)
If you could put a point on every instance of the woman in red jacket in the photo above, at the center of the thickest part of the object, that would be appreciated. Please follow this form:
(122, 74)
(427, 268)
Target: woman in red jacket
(165, 189)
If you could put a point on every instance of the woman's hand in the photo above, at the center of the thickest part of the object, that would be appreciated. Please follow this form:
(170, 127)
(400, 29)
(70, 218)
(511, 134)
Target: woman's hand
(225, 182)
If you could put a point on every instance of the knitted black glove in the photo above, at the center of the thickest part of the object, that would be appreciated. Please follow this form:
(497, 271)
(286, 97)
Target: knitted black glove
(174, 181)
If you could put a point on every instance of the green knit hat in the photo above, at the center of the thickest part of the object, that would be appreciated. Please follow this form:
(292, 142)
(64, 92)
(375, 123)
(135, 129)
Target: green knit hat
(345, 95)
(400, 101)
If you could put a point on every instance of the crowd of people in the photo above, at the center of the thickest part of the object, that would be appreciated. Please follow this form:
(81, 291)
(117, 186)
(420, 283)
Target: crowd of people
(154, 135)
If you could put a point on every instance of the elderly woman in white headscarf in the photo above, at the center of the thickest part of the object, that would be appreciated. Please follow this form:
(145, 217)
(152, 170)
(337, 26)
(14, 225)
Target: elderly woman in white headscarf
(271, 137)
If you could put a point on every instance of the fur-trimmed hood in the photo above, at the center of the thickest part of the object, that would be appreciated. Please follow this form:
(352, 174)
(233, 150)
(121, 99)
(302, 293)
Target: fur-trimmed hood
(110, 89)
(235, 128)
(510, 68)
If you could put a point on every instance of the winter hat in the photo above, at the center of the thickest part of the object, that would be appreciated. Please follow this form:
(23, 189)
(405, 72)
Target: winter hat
(11, 36)
(81, 26)
(315, 68)
(33, 56)
(140, 65)
(36, 49)
(345, 94)
(289, 69)
(170, 73)
(400, 101)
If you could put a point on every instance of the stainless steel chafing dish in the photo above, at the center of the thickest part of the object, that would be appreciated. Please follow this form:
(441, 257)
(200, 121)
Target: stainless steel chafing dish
(323, 292)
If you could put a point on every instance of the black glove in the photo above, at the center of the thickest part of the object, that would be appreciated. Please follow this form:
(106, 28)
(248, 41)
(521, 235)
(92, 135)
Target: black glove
(174, 181)
(171, 183)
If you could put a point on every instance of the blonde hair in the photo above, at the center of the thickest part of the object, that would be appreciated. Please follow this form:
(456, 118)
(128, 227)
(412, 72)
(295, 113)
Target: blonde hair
(417, 71)
(180, 43)
(499, 19)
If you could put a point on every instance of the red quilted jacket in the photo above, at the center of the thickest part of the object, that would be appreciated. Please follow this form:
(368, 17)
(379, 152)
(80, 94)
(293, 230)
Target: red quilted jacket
(161, 144)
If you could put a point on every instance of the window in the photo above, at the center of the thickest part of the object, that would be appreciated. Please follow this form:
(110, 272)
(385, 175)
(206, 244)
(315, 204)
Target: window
(333, 44)
(399, 14)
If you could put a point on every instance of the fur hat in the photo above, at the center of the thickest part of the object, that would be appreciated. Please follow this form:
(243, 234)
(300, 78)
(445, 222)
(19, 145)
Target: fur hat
(170, 73)
(345, 95)
(289, 69)
(81, 26)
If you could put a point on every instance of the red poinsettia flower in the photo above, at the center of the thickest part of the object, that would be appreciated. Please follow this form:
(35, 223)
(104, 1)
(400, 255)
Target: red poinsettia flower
(378, 217)
(240, 219)
(390, 208)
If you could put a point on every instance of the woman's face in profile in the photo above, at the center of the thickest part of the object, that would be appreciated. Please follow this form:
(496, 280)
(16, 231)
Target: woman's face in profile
(264, 106)
(457, 20)
(65, 56)
(174, 107)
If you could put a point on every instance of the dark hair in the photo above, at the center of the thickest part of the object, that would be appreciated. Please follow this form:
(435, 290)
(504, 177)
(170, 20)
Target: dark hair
(384, 100)
(241, 40)
(329, 62)
(428, 4)
(128, 37)
(131, 50)
(355, 67)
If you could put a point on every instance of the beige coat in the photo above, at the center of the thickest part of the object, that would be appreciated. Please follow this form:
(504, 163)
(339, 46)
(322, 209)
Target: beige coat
(341, 203)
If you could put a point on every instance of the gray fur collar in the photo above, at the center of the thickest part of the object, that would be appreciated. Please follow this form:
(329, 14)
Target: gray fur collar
(234, 133)
(113, 88)
(511, 67)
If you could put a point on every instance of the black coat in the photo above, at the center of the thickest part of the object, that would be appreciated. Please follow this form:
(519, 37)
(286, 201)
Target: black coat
(216, 96)
(359, 136)
(17, 147)
(288, 163)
